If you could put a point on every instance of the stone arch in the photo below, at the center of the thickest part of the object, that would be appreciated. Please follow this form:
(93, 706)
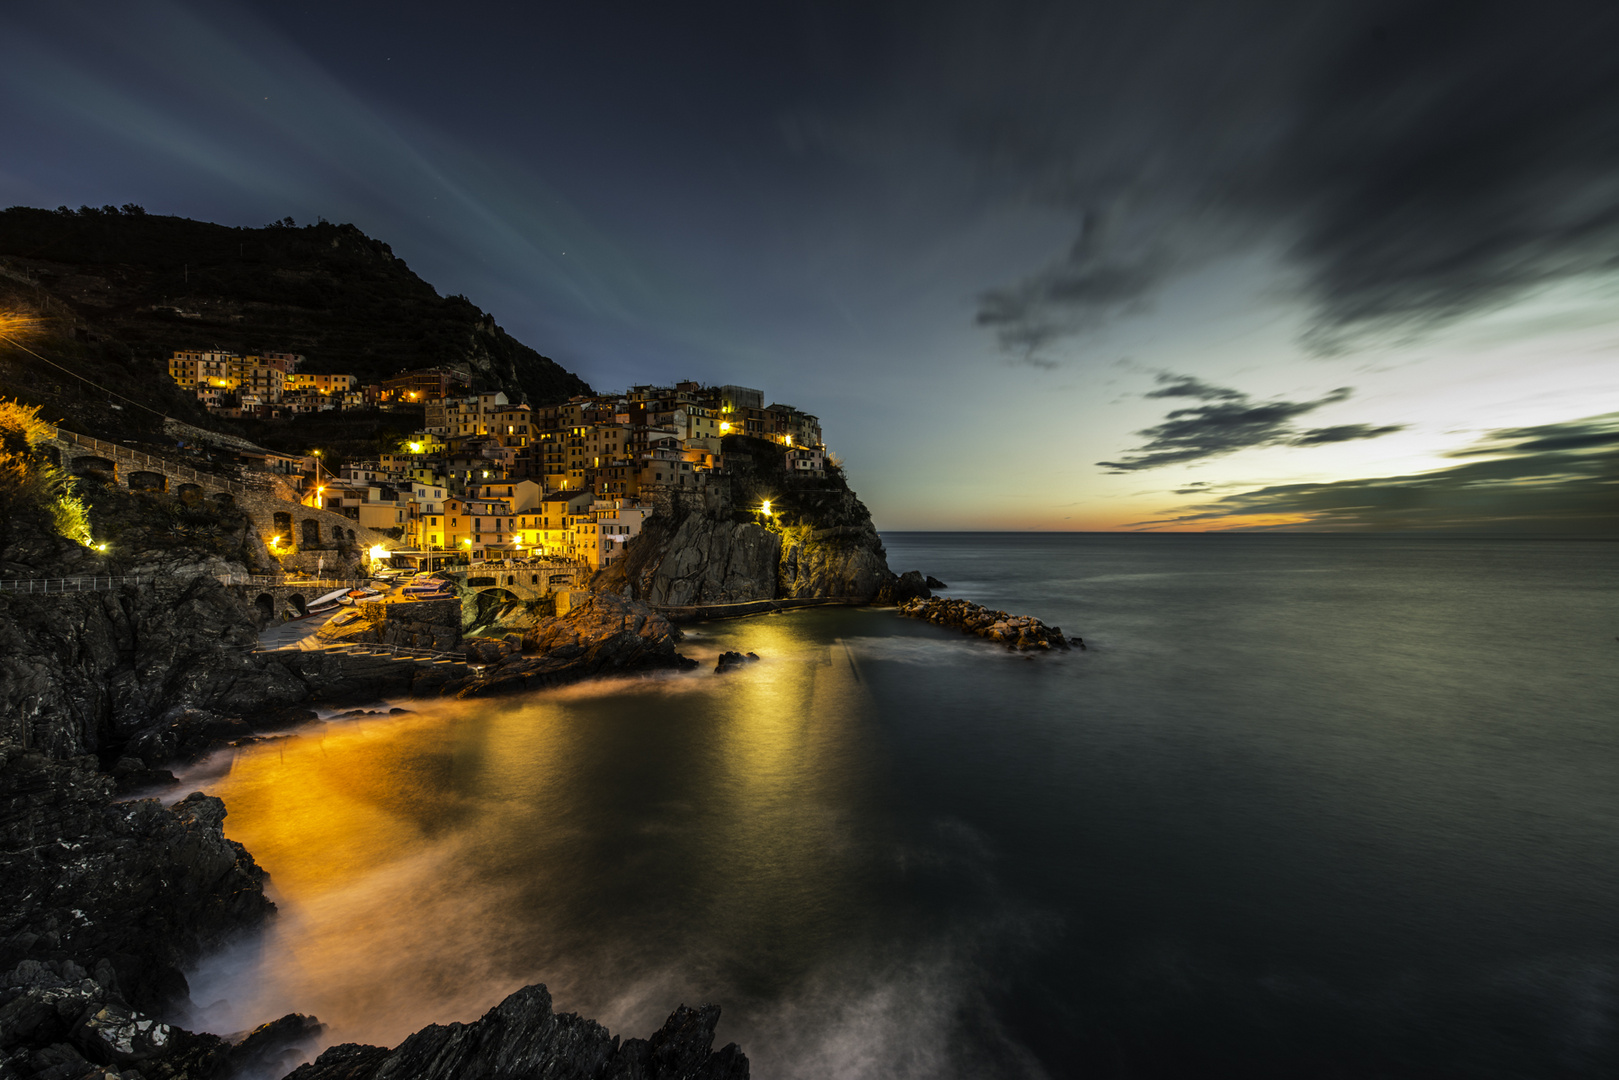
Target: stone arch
(89, 465)
(311, 532)
(283, 525)
(337, 532)
(351, 536)
(143, 480)
(223, 498)
(299, 604)
(189, 492)
(266, 604)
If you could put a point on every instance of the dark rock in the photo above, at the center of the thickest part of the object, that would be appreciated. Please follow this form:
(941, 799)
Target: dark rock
(729, 660)
(522, 1037)
(600, 635)
(935, 583)
(907, 586)
(138, 887)
(85, 672)
(276, 1048)
(1021, 633)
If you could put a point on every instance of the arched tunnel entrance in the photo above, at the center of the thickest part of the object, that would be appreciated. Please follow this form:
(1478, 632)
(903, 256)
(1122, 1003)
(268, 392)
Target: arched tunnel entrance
(90, 465)
(311, 532)
(141, 480)
(265, 604)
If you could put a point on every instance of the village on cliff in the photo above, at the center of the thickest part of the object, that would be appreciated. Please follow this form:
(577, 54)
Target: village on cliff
(489, 479)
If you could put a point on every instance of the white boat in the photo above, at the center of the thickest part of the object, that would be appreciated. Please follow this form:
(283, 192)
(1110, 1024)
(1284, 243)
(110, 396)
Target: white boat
(322, 604)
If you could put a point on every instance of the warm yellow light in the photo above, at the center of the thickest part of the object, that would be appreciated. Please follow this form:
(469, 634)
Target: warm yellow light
(378, 553)
(101, 547)
(13, 326)
(789, 440)
(766, 508)
(415, 447)
(468, 543)
(725, 427)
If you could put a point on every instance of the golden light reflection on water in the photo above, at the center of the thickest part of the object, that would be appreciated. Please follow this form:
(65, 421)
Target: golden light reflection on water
(630, 844)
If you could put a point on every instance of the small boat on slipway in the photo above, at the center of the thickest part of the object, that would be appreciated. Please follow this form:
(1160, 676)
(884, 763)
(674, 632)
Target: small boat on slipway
(323, 605)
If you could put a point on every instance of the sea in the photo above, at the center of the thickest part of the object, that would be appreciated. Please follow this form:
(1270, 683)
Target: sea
(1304, 806)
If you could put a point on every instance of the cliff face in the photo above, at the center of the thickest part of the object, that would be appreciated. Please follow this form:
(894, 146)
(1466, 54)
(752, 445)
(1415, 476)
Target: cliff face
(818, 541)
(85, 672)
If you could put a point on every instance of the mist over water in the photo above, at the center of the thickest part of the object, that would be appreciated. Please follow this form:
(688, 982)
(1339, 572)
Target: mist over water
(1306, 802)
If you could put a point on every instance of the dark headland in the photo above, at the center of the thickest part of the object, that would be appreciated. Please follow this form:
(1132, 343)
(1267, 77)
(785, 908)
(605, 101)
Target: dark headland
(132, 621)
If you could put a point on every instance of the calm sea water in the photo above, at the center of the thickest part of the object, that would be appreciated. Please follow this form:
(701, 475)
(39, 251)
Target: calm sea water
(1307, 806)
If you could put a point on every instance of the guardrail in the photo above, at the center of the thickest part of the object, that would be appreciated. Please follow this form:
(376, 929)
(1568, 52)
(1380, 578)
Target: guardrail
(163, 465)
(275, 581)
(72, 584)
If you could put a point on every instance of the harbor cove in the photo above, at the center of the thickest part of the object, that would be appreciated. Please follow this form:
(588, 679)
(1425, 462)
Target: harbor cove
(1019, 541)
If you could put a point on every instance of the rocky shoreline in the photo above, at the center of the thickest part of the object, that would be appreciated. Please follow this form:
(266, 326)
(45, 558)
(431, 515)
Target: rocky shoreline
(1022, 633)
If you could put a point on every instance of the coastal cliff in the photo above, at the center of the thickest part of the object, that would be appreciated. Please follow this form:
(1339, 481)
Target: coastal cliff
(816, 540)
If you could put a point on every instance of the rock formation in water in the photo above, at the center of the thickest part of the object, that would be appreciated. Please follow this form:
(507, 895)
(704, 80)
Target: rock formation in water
(1020, 632)
(817, 540)
(522, 1037)
(602, 634)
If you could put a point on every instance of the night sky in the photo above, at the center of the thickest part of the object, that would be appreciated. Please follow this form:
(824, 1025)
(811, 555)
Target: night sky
(1050, 266)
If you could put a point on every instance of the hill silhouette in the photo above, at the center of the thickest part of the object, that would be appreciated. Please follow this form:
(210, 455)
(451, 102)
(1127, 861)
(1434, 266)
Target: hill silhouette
(122, 289)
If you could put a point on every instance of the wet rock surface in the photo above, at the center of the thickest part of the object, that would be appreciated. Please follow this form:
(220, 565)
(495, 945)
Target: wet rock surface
(602, 634)
(143, 887)
(730, 660)
(1021, 632)
(523, 1037)
(102, 904)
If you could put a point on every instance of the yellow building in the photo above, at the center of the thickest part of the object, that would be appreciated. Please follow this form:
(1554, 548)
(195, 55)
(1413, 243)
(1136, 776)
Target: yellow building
(304, 382)
(548, 528)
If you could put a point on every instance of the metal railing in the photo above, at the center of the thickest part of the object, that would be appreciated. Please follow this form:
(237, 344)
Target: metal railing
(71, 584)
(163, 465)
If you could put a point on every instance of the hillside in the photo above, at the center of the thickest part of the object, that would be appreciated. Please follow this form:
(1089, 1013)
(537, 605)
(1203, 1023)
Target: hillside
(127, 288)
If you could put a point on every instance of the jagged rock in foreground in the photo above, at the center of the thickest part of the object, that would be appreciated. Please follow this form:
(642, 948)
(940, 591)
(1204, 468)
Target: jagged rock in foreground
(142, 888)
(522, 1037)
(1020, 632)
(603, 635)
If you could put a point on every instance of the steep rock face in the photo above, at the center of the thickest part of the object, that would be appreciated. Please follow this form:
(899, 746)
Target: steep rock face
(83, 672)
(710, 561)
(844, 560)
(141, 887)
(522, 1037)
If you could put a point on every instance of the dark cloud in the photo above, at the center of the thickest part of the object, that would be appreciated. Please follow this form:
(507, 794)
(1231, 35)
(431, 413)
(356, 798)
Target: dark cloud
(1342, 433)
(1549, 480)
(1231, 422)
(1187, 386)
(1415, 160)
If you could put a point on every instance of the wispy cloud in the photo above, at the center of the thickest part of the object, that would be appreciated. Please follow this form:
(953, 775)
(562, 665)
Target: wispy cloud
(1551, 479)
(1412, 162)
(1231, 421)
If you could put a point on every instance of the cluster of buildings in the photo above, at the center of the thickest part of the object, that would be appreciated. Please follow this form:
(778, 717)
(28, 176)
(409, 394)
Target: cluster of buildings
(489, 479)
(271, 387)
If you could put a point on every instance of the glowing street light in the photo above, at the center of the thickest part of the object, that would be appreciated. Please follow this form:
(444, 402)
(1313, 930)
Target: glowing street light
(766, 507)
